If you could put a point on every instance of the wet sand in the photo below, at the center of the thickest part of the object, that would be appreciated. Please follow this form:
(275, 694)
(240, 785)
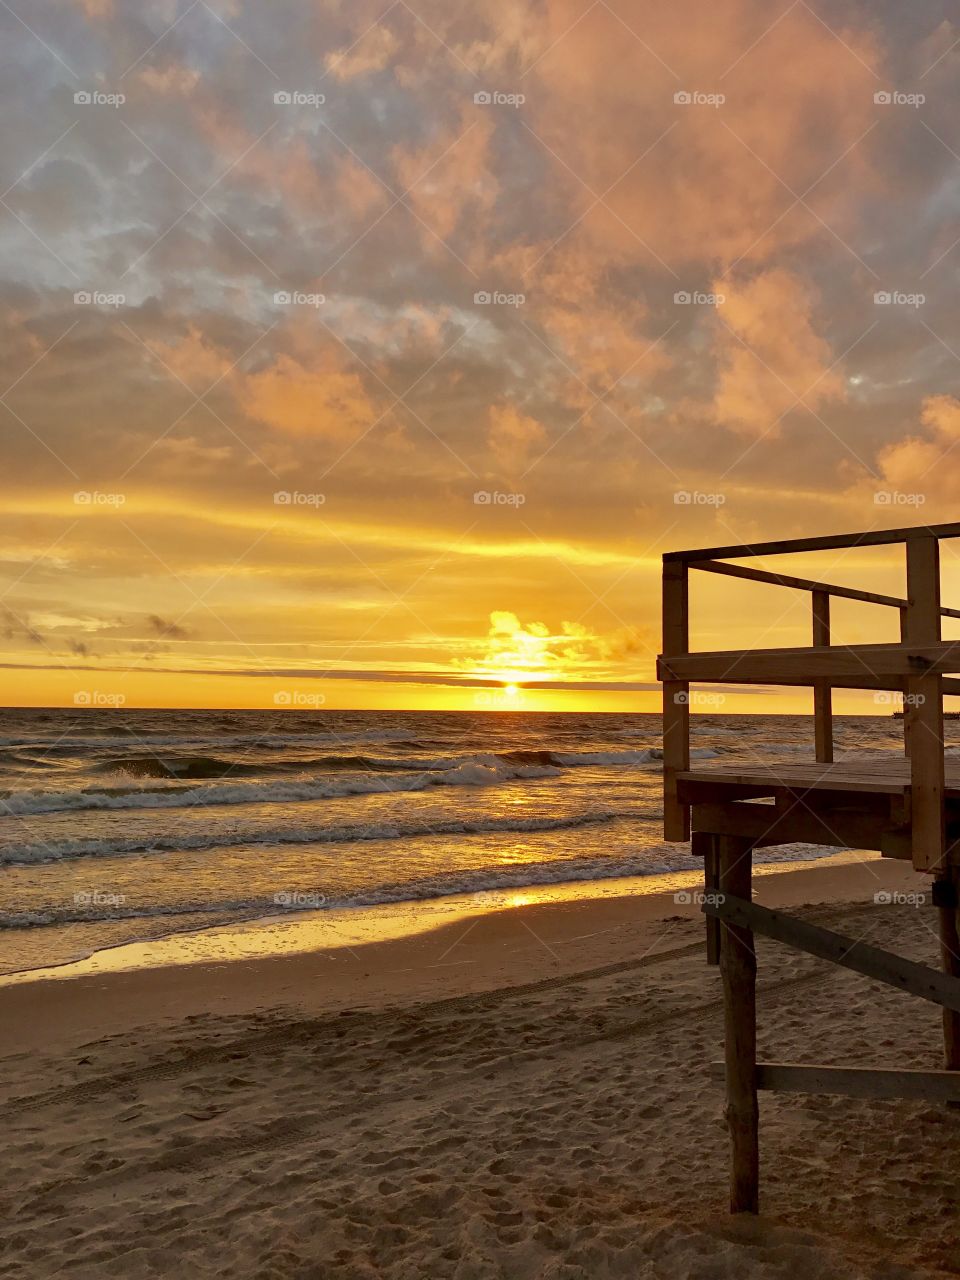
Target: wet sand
(519, 1091)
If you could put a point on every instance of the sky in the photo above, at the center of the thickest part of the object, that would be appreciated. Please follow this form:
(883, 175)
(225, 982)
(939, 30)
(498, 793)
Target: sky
(371, 354)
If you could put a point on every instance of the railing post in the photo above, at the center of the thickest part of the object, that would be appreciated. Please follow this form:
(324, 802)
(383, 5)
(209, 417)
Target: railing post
(905, 708)
(676, 700)
(711, 885)
(924, 703)
(822, 693)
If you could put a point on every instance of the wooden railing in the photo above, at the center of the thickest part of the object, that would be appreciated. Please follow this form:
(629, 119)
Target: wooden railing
(917, 666)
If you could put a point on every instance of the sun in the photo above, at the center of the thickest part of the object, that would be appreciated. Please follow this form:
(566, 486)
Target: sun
(511, 690)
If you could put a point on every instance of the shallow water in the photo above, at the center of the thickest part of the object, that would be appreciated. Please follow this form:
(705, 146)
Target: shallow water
(121, 826)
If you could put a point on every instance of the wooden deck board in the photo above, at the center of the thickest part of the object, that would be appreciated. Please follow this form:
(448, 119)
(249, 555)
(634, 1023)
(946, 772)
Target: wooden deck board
(855, 774)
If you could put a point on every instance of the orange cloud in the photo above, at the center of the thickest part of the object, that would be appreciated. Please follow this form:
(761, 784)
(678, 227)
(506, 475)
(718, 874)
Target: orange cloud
(324, 400)
(451, 177)
(683, 181)
(597, 336)
(96, 8)
(285, 166)
(172, 79)
(358, 191)
(372, 52)
(195, 359)
(927, 464)
(770, 354)
(514, 438)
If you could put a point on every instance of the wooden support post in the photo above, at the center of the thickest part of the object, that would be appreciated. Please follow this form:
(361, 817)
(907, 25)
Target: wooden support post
(822, 695)
(711, 886)
(946, 895)
(676, 702)
(905, 707)
(738, 966)
(925, 703)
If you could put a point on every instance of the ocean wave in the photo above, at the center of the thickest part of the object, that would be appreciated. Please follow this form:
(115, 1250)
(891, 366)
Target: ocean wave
(79, 914)
(469, 774)
(25, 760)
(181, 768)
(488, 883)
(177, 767)
(173, 767)
(290, 901)
(66, 744)
(578, 759)
(291, 833)
(399, 775)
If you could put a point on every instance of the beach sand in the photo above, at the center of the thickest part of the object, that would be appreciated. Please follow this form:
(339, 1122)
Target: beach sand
(520, 1092)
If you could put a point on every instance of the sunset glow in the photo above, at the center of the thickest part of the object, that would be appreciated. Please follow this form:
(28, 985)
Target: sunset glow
(375, 362)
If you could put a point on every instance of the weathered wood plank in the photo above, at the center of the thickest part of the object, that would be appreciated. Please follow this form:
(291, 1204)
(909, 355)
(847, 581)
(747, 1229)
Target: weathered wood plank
(711, 885)
(891, 766)
(907, 706)
(676, 703)
(738, 968)
(763, 825)
(864, 665)
(822, 696)
(859, 783)
(950, 958)
(897, 843)
(805, 584)
(829, 542)
(718, 791)
(925, 697)
(787, 776)
(853, 1082)
(906, 975)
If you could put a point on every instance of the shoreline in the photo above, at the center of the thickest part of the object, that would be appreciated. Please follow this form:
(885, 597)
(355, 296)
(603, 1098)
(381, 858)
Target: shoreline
(518, 1090)
(374, 920)
(316, 962)
(277, 932)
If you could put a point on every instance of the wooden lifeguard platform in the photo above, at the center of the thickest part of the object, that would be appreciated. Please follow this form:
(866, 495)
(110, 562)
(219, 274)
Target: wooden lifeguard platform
(906, 808)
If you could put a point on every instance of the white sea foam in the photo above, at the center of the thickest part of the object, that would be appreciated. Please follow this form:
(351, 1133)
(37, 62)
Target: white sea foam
(415, 774)
(294, 833)
(485, 880)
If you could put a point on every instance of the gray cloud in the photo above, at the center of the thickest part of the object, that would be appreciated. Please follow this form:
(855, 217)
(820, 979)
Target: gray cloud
(622, 383)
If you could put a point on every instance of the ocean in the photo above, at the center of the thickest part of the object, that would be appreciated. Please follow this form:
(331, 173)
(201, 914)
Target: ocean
(120, 826)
